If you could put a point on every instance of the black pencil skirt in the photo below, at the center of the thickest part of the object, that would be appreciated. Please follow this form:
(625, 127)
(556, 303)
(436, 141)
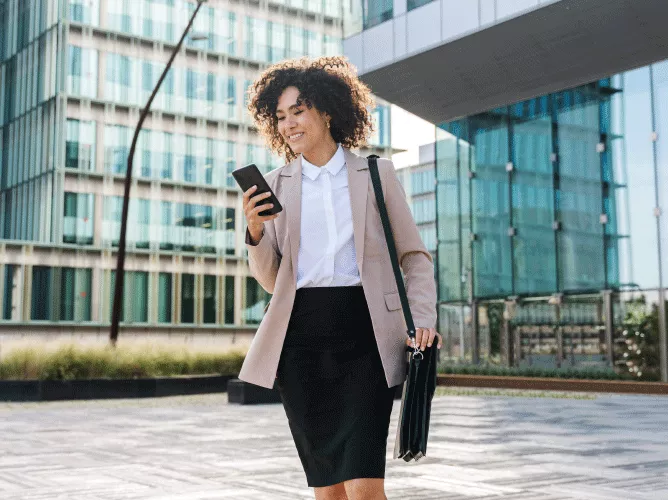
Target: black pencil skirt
(333, 388)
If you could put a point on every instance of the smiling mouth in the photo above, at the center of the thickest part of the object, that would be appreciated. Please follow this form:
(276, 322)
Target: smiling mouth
(295, 137)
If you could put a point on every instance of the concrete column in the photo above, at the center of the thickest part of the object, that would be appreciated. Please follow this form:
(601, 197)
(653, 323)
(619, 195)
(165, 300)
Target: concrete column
(98, 218)
(153, 292)
(97, 286)
(103, 13)
(101, 73)
(99, 147)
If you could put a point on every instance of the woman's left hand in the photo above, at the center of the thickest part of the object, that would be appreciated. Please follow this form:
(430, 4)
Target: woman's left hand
(424, 337)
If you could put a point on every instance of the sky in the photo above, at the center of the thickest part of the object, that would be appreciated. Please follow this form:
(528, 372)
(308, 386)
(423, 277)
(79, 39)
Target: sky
(408, 132)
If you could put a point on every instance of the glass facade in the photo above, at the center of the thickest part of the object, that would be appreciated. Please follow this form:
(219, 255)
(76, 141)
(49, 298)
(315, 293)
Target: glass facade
(29, 82)
(69, 98)
(177, 157)
(551, 212)
(532, 196)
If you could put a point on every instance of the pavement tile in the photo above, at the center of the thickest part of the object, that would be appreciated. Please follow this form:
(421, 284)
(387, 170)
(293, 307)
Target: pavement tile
(506, 447)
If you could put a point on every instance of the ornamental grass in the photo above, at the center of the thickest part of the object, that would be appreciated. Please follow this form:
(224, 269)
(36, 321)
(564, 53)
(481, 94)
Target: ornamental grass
(72, 362)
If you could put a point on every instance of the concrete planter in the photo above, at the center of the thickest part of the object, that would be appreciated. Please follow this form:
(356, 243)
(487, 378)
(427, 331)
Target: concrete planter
(244, 393)
(54, 390)
(553, 384)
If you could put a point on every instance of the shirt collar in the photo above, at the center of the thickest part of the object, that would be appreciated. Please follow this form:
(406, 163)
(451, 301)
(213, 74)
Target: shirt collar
(334, 165)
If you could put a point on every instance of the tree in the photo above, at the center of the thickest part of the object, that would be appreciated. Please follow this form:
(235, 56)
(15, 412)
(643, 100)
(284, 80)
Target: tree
(637, 348)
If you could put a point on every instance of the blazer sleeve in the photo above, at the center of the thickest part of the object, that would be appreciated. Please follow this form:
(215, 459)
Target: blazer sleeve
(264, 257)
(263, 260)
(414, 258)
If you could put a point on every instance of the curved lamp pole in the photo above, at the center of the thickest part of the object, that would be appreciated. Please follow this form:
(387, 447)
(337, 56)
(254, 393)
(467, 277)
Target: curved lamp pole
(120, 263)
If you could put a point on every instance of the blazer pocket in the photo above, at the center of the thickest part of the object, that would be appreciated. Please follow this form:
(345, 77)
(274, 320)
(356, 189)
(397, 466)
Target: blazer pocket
(392, 301)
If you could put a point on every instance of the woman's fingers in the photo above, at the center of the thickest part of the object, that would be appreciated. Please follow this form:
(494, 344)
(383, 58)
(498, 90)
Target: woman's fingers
(425, 337)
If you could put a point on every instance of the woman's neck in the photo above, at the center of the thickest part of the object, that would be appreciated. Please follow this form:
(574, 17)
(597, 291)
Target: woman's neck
(320, 156)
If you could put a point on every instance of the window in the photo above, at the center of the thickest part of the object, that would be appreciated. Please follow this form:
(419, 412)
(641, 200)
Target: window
(210, 299)
(78, 218)
(139, 221)
(164, 298)
(82, 71)
(75, 294)
(42, 293)
(116, 148)
(80, 145)
(134, 308)
(376, 12)
(414, 4)
(11, 273)
(187, 298)
(85, 11)
(229, 300)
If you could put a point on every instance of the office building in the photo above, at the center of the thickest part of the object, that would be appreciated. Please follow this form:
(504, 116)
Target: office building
(551, 165)
(74, 76)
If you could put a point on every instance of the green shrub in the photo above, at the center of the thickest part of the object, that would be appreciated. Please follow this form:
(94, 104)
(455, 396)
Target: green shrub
(72, 362)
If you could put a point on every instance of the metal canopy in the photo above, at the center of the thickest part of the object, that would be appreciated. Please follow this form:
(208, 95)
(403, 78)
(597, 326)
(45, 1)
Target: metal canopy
(562, 45)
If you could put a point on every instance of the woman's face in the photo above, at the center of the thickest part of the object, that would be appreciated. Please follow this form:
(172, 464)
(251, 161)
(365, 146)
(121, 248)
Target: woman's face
(303, 129)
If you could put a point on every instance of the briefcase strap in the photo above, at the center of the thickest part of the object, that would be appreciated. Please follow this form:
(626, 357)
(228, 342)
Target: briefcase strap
(380, 201)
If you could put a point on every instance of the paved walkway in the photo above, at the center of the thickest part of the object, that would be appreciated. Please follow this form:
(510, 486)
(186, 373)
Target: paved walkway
(608, 447)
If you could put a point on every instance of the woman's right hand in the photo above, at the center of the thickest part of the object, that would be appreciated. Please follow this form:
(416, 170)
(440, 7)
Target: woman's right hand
(252, 210)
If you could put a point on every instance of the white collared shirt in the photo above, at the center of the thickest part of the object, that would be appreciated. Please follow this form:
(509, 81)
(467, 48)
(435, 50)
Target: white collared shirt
(327, 249)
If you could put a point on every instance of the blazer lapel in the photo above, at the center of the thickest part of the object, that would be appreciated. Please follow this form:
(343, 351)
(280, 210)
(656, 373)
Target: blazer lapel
(358, 184)
(293, 207)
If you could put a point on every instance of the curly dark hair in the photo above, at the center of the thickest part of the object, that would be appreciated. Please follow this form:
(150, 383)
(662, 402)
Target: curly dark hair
(328, 83)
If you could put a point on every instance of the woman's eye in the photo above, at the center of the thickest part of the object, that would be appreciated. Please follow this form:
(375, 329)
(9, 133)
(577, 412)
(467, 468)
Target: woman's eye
(296, 112)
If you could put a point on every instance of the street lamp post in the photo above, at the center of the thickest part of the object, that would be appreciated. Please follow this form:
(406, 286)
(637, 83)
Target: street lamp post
(120, 262)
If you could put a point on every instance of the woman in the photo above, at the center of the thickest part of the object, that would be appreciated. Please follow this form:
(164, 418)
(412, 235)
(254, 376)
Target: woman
(334, 337)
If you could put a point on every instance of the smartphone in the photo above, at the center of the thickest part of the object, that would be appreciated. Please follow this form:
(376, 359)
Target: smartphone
(250, 176)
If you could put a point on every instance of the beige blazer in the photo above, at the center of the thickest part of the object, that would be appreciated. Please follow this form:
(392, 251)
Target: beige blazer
(273, 263)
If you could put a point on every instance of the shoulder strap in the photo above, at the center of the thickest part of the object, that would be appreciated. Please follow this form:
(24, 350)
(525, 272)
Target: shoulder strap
(380, 201)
